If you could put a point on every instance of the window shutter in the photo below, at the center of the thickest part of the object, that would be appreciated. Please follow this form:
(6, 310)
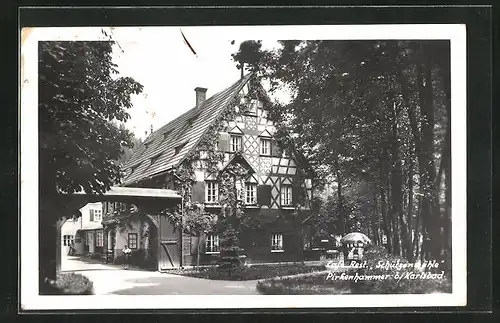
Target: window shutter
(275, 149)
(194, 245)
(297, 195)
(91, 215)
(264, 195)
(198, 192)
(224, 142)
(186, 244)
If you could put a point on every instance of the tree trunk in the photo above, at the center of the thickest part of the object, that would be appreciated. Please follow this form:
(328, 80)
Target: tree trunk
(47, 260)
(409, 214)
(391, 222)
(396, 185)
(374, 220)
(198, 247)
(340, 202)
(424, 150)
(444, 72)
(59, 225)
(416, 234)
(387, 228)
(431, 203)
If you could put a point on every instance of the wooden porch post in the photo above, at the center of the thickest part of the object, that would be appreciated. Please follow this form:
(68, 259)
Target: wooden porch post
(181, 238)
(158, 242)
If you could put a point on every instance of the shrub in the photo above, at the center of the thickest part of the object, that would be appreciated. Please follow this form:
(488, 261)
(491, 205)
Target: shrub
(231, 255)
(74, 284)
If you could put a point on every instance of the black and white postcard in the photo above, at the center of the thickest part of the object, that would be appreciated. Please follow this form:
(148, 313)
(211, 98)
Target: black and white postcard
(243, 167)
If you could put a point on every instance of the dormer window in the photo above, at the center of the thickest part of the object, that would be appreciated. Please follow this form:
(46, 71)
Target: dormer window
(166, 134)
(133, 168)
(155, 158)
(191, 121)
(252, 108)
(178, 149)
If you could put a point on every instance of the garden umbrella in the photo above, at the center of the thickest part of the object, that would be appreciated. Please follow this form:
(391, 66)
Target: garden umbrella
(355, 237)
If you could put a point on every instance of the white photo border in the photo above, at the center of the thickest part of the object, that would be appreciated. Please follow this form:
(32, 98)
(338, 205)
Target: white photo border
(29, 298)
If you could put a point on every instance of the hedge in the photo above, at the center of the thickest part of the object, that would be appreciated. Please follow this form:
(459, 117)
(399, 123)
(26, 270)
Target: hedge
(73, 284)
(253, 272)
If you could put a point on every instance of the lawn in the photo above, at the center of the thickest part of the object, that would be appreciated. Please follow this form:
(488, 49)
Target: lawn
(249, 273)
(304, 285)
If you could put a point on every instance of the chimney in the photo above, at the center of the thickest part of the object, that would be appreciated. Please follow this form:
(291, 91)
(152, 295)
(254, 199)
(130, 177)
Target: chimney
(201, 95)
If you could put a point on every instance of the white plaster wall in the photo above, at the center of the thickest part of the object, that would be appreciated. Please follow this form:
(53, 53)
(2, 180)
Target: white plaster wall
(71, 226)
(122, 237)
(87, 224)
(200, 175)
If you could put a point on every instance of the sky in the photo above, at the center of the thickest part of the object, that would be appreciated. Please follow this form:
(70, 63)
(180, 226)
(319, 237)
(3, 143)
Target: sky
(162, 62)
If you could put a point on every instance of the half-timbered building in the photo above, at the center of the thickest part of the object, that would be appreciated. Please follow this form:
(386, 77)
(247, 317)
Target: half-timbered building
(276, 189)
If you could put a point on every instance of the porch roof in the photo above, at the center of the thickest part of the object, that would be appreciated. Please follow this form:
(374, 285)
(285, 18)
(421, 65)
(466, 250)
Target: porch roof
(158, 193)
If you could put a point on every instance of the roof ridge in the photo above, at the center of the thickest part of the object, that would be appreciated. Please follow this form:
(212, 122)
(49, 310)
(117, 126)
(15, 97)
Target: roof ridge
(162, 129)
(203, 103)
(243, 81)
(211, 109)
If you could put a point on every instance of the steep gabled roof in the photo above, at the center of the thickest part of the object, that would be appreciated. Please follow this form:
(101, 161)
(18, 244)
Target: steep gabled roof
(167, 147)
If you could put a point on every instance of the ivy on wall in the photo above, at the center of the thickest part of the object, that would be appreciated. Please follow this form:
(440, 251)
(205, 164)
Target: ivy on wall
(212, 160)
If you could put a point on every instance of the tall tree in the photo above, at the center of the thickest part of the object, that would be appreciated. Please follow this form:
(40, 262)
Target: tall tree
(80, 96)
(369, 111)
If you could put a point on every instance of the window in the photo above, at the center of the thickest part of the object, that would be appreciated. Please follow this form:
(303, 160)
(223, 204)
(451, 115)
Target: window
(191, 120)
(155, 158)
(252, 108)
(166, 134)
(277, 242)
(251, 193)
(211, 192)
(235, 143)
(265, 146)
(286, 195)
(212, 244)
(179, 148)
(99, 238)
(68, 240)
(132, 240)
(97, 215)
